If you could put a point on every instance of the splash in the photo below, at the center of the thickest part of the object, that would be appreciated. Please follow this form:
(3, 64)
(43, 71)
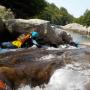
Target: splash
(70, 77)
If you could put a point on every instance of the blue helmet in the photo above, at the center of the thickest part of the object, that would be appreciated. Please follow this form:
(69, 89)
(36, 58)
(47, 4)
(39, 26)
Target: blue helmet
(34, 34)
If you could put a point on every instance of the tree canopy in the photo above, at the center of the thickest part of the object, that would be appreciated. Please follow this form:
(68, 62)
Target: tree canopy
(56, 15)
(43, 10)
(84, 19)
(24, 8)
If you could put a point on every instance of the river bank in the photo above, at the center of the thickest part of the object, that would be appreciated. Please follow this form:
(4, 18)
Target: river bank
(75, 27)
(77, 32)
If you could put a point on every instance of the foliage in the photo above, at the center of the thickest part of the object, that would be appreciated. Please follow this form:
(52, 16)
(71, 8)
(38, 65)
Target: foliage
(56, 15)
(51, 13)
(84, 19)
(39, 9)
(24, 8)
(65, 16)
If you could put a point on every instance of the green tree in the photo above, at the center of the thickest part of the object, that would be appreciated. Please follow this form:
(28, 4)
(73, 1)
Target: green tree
(84, 19)
(51, 13)
(56, 15)
(24, 8)
(65, 16)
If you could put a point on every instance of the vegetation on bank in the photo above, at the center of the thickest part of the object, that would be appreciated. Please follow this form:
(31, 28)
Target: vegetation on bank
(56, 15)
(84, 19)
(41, 9)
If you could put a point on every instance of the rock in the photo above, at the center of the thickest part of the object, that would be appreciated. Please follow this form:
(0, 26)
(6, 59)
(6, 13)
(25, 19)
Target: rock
(27, 26)
(30, 66)
(77, 28)
(47, 34)
(37, 65)
(62, 36)
(74, 26)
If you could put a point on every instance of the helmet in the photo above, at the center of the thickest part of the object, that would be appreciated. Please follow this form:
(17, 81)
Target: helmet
(34, 34)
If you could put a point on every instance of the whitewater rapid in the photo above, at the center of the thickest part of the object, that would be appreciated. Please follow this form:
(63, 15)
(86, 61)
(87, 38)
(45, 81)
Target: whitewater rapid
(71, 77)
(75, 76)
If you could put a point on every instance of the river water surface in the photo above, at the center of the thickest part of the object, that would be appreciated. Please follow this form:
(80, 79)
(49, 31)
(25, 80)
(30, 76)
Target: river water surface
(70, 77)
(80, 38)
(67, 78)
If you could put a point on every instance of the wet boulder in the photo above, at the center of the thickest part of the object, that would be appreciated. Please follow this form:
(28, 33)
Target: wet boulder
(47, 33)
(27, 26)
(62, 36)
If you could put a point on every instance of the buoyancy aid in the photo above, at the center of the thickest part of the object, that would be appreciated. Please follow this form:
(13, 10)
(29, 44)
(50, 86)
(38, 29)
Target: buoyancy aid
(20, 40)
(2, 85)
(17, 43)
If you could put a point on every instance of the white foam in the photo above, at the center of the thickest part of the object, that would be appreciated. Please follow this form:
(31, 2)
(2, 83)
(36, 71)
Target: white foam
(67, 78)
(26, 87)
(52, 48)
(47, 57)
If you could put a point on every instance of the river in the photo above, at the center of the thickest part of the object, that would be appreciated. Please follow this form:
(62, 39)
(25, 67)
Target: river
(71, 77)
(80, 38)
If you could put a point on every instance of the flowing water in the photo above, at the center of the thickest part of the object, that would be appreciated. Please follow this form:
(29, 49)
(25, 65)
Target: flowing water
(79, 38)
(71, 77)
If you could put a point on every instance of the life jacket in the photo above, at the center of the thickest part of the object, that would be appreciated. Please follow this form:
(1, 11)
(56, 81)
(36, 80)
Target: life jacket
(2, 85)
(17, 43)
(23, 37)
(20, 40)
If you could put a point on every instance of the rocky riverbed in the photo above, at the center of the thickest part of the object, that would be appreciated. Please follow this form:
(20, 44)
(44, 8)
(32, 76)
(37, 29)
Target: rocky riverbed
(59, 69)
(62, 68)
